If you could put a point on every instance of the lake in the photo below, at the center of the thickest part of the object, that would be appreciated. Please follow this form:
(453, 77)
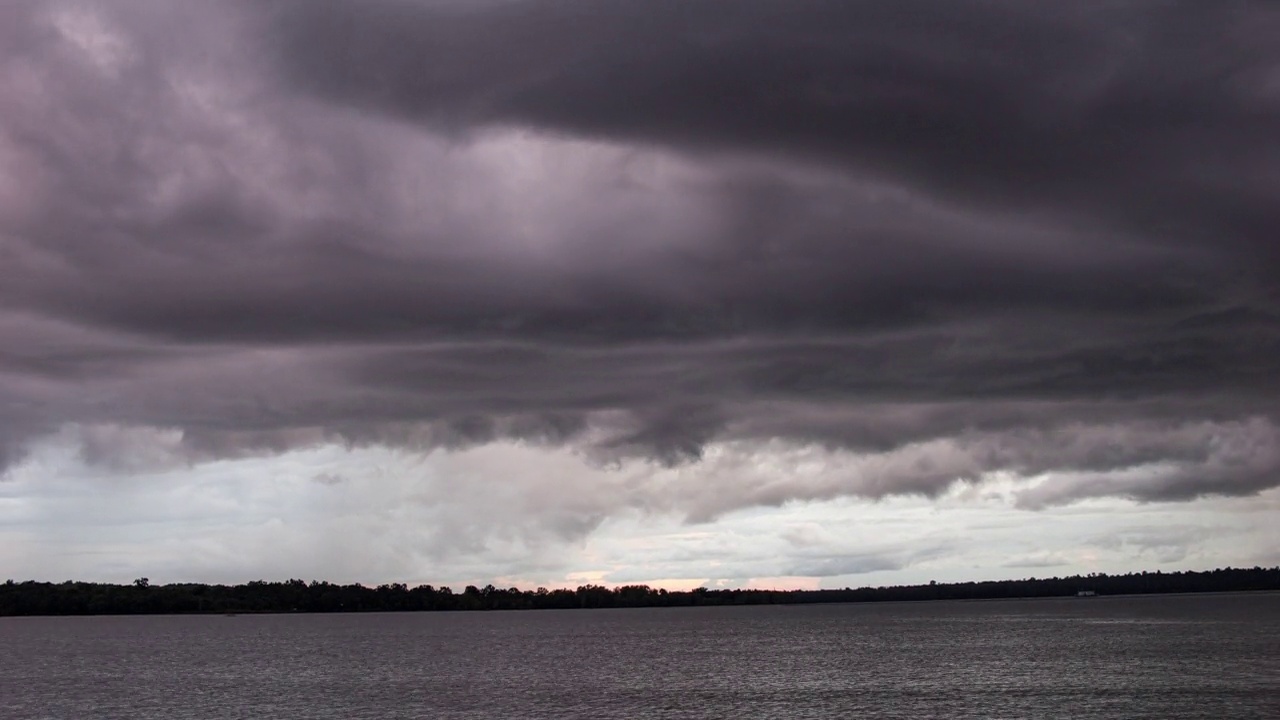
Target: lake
(1184, 656)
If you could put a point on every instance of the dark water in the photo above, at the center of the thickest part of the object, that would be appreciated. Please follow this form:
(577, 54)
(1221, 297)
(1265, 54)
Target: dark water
(1157, 657)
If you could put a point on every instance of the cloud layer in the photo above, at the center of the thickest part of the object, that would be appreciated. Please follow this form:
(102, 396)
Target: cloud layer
(848, 248)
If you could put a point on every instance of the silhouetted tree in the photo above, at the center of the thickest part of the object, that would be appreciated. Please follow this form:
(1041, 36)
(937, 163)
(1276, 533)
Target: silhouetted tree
(295, 595)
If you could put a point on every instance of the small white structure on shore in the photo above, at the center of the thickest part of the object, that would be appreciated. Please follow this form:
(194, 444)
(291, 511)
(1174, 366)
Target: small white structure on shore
(1086, 593)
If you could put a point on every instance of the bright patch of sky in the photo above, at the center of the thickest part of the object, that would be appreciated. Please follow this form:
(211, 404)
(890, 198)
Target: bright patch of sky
(484, 515)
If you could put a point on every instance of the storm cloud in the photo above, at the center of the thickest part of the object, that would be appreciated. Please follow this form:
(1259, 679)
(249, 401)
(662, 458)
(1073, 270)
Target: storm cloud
(818, 249)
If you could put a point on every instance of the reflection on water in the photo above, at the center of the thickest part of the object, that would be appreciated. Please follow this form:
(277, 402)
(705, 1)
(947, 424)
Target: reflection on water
(1155, 657)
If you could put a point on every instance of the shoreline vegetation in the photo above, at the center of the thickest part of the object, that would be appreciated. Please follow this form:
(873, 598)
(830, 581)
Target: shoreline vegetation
(143, 598)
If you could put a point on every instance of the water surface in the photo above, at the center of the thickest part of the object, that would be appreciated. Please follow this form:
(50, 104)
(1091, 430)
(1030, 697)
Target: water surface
(1190, 656)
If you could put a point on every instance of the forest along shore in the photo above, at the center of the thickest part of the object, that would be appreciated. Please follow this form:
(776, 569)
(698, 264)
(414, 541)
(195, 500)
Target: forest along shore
(141, 597)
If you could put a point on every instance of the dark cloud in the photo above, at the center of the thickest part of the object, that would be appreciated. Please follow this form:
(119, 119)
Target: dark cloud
(1150, 113)
(958, 238)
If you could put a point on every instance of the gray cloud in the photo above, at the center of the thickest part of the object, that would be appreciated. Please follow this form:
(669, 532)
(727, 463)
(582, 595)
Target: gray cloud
(1038, 560)
(329, 479)
(958, 239)
(1147, 112)
(1165, 544)
(846, 565)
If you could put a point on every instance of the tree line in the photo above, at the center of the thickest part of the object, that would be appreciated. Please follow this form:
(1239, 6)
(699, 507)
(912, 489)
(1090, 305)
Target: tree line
(141, 597)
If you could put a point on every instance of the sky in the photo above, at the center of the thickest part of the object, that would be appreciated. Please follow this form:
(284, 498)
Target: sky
(815, 293)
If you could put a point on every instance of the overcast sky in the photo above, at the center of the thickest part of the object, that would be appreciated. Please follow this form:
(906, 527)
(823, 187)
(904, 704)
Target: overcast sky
(794, 294)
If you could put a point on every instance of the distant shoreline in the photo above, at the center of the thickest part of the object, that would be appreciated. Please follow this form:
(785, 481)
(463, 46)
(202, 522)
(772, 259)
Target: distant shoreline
(31, 598)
